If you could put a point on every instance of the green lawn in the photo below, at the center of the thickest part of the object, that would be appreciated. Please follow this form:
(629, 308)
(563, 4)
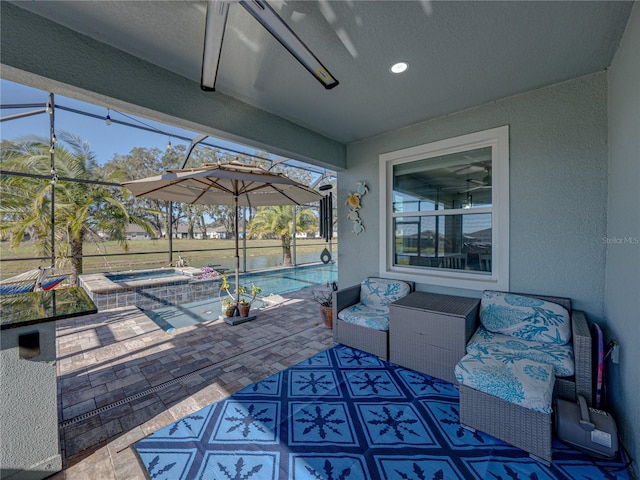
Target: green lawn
(138, 256)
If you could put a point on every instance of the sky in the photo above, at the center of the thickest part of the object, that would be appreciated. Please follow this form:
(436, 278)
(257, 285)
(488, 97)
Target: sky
(105, 141)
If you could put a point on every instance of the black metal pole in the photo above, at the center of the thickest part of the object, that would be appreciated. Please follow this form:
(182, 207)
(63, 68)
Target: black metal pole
(170, 232)
(293, 240)
(244, 240)
(54, 176)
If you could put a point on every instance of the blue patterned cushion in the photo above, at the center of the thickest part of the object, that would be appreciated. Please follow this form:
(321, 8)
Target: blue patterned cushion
(525, 317)
(379, 293)
(507, 349)
(359, 314)
(522, 381)
(376, 294)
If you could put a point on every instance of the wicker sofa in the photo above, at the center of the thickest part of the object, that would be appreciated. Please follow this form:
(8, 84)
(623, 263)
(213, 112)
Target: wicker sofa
(522, 427)
(371, 340)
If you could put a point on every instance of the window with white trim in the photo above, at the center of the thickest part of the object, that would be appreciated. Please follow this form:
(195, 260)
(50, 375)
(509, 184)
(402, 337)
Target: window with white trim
(445, 212)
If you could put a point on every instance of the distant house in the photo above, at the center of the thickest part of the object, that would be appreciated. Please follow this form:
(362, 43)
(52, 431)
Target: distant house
(217, 233)
(182, 232)
(478, 241)
(134, 232)
(484, 235)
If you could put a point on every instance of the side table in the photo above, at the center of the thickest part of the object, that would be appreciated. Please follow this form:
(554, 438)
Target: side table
(428, 332)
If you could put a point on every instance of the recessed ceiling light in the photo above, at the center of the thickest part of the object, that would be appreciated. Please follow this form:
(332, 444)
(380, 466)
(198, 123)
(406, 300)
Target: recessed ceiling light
(399, 67)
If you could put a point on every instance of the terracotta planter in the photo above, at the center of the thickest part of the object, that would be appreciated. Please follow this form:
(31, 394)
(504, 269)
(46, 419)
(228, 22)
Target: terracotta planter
(326, 314)
(228, 311)
(244, 310)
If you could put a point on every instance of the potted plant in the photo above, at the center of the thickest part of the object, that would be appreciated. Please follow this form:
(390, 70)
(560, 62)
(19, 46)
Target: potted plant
(245, 305)
(228, 302)
(228, 307)
(325, 299)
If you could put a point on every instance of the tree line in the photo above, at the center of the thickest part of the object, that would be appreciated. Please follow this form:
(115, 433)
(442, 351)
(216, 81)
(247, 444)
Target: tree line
(94, 205)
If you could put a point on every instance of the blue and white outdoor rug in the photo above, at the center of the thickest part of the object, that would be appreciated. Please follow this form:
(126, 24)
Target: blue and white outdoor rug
(345, 415)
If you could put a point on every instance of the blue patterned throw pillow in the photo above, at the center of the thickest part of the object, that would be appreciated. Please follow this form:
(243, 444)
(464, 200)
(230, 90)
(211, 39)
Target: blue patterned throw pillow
(525, 317)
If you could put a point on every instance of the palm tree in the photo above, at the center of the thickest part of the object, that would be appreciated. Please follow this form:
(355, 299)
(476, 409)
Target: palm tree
(80, 208)
(278, 221)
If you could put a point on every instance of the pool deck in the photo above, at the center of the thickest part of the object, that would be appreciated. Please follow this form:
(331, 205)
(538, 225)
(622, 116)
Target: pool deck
(121, 377)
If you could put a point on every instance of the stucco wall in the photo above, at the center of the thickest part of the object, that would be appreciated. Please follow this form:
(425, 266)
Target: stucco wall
(622, 297)
(29, 448)
(558, 189)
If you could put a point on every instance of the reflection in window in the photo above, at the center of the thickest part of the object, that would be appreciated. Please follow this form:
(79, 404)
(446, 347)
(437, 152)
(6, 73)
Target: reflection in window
(441, 211)
(459, 180)
(457, 242)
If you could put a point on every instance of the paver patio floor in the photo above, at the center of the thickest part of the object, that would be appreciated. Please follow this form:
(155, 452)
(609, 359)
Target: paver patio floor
(121, 377)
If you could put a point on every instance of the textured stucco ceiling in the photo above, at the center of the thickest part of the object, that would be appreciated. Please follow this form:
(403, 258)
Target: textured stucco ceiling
(460, 54)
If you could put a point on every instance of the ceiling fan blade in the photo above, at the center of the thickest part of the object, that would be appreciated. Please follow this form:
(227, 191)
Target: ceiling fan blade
(467, 169)
(477, 182)
(460, 189)
(217, 11)
(270, 20)
(479, 187)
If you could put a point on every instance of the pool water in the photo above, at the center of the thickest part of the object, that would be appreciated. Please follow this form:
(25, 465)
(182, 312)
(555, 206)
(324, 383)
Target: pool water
(289, 280)
(280, 281)
(145, 275)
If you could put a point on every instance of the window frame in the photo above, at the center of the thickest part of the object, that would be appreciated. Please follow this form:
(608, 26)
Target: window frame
(498, 278)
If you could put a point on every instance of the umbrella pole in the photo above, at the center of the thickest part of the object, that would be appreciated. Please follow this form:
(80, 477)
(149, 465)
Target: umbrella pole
(235, 204)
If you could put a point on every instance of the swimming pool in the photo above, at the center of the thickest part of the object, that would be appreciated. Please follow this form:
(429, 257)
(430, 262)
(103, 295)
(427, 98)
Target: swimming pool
(172, 317)
(152, 289)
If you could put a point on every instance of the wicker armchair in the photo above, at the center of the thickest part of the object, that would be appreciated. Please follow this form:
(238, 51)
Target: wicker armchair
(524, 428)
(357, 336)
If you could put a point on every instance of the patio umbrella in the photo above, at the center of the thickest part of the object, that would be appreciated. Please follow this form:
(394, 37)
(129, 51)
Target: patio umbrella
(232, 183)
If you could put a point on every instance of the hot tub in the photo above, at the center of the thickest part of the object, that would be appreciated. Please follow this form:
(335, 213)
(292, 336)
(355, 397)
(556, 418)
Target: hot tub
(144, 275)
(148, 289)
